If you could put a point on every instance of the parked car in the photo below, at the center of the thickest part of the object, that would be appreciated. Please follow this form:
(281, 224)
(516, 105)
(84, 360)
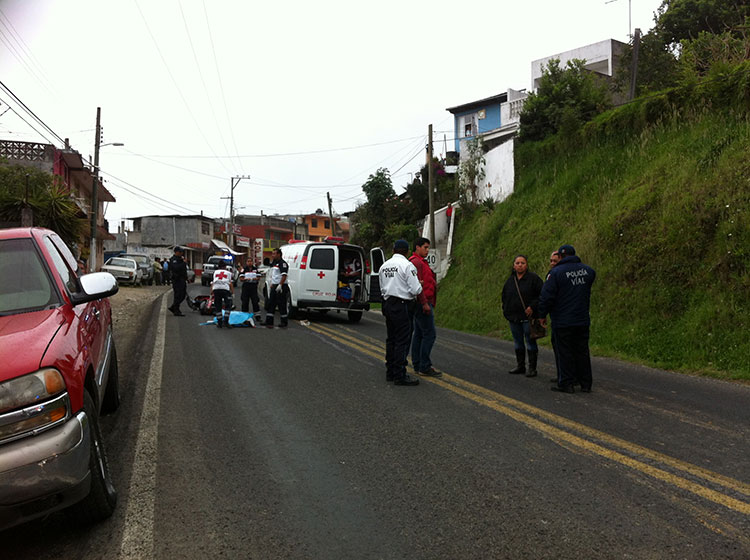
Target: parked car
(52, 392)
(145, 263)
(125, 270)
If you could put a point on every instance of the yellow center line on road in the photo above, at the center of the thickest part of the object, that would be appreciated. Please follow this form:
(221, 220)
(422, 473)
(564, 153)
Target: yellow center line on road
(523, 412)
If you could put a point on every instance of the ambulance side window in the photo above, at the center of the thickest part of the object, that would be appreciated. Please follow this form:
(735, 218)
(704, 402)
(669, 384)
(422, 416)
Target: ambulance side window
(323, 259)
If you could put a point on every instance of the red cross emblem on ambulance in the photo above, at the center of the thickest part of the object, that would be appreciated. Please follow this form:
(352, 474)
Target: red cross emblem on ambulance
(321, 274)
(222, 275)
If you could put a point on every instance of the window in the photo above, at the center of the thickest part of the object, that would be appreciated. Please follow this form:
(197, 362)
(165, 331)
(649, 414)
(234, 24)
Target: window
(26, 285)
(469, 124)
(205, 228)
(67, 275)
(314, 222)
(323, 258)
(327, 224)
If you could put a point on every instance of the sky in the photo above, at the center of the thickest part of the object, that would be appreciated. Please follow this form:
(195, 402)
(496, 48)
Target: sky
(304, 98)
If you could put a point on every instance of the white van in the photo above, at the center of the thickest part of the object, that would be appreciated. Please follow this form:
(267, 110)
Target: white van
(330, 275)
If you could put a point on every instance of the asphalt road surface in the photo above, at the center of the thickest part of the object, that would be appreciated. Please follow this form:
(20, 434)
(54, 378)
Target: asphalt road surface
(258, 443)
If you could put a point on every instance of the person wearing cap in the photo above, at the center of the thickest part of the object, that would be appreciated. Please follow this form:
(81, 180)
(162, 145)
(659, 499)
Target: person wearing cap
(399, 286)
(566, 296)
(178, 273)
(424, 322)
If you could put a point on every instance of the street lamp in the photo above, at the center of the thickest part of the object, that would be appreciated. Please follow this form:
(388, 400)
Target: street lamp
(95, 189)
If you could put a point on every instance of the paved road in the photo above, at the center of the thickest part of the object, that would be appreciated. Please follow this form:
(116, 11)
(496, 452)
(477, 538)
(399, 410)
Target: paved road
(290, 444)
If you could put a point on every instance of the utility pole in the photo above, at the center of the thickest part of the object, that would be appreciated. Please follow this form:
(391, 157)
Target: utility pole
(234, 181)
(95, 191)
(634, 67)
(430, 186)
(330, 213)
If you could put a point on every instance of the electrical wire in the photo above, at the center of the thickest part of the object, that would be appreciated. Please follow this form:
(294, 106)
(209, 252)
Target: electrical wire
(29, 124)
(29, 112)
(177, 87)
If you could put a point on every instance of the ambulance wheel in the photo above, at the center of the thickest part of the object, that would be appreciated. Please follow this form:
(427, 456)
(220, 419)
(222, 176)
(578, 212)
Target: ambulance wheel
(290, 311)
(354, 316)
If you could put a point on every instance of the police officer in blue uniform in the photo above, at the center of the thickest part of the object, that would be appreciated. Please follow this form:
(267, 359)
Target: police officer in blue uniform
(566, 296)
(178, 272)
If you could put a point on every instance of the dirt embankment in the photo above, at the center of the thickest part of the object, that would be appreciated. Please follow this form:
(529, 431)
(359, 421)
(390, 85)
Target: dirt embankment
(130, 309)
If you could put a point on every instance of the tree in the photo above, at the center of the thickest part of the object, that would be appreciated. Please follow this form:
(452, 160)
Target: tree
(471, 172)
(50, 202)
(678, 20)
(371, 218)
(566, 99)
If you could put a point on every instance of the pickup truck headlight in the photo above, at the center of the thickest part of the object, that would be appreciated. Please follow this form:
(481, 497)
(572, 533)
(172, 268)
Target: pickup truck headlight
(32, 402)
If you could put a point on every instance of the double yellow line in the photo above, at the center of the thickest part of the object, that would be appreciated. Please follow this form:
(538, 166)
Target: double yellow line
(723, 490)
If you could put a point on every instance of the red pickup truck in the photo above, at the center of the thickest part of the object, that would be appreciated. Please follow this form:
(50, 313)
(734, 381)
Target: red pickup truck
(58, 372)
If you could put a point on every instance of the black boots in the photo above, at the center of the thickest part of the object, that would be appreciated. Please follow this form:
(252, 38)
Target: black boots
(533, 355)
(520, 360)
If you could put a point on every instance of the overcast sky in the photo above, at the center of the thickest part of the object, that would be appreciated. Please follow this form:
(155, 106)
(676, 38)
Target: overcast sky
(304, 97)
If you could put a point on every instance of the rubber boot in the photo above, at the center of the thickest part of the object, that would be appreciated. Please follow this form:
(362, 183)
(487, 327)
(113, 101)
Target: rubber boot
(521, 367)
(220, 320)
(533, 355)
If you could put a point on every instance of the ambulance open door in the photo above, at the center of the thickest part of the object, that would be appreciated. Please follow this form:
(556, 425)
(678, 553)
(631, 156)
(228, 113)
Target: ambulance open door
(377, 258)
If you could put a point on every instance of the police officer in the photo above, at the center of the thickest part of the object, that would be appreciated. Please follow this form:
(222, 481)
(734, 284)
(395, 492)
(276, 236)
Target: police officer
(222, 289)
(178, 273)
(278, 291)
(566, 296)
(249, 279)
(399, 285)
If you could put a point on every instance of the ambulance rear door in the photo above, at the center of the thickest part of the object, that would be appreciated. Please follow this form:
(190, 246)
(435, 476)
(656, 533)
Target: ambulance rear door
(321, 276)
(377, 258)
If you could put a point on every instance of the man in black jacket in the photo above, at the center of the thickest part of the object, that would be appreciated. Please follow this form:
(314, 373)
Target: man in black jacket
(178, 272)
(566, 296)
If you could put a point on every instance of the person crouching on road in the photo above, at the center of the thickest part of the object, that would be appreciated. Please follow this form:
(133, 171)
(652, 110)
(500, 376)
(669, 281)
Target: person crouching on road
(424, 322)
(278, 292)
(399, 286)
(222, 289)
(249, 279)
(566, 296)
(520, 293)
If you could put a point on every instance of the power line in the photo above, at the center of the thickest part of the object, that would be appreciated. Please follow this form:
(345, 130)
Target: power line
(29, 111)
(177, 87)
(29, 124)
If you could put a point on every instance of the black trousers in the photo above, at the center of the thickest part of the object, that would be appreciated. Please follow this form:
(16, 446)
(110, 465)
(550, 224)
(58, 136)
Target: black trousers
(573, 358)
(250, 293)
(398, 324)
(222, 300)
(179, 286)
(275, 300)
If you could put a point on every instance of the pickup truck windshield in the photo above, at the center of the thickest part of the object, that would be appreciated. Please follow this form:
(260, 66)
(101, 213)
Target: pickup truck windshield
(25, 284)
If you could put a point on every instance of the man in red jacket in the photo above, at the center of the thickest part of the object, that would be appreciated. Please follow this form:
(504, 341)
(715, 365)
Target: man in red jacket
(424, 319)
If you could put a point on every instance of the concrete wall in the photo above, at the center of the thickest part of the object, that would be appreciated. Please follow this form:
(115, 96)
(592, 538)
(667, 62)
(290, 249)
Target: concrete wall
(168, 230)
(498, 170)
(601, 57)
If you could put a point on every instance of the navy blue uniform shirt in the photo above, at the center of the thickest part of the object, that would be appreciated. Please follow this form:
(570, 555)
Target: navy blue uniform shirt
(567, 293)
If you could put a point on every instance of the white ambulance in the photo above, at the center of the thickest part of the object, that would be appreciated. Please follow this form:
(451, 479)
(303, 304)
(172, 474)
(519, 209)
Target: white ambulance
(330, 275)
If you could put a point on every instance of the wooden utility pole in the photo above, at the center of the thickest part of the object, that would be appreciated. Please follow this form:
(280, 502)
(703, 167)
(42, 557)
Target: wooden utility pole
(330, 213)
(95, 191)
(634, 67)
(430, 185)
(234, 181)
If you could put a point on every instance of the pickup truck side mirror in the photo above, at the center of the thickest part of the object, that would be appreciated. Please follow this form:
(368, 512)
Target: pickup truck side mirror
(96, 285)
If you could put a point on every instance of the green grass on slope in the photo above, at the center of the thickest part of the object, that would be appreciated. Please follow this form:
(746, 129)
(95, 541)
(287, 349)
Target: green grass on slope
(662, 217)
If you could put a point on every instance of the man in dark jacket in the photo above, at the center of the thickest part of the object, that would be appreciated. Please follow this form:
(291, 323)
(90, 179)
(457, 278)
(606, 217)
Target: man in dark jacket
(178, 273)
(566, 296)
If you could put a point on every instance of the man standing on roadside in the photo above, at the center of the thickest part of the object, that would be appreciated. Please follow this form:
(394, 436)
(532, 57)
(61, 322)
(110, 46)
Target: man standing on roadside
(424, 321)
(278, 291)
(157, 271)
(399, 286)
(566, 296)
(178, 272)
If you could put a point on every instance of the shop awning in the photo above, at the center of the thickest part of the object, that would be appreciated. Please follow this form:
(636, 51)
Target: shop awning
(221, 246)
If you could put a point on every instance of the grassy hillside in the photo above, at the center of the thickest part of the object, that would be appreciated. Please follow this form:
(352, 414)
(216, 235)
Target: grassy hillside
(662, 215)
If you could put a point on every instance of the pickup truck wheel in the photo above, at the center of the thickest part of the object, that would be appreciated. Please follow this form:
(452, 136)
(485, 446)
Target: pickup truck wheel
(203, 282)
(354, 316)
(111, 400)
(102, 498)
